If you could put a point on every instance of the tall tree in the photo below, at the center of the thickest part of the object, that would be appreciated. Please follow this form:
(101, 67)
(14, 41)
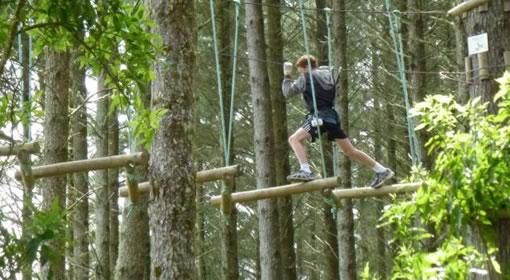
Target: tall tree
(496, 23)
(377, 261)
(329, 229)
(321, 32)
(113, 188)
(134, 241)
(270, 260)
(230, 263)
(25, 158)
(418, 66)
(134, 237)
(56, 131)
(345, 220)
(80, 180)
(102, 205)
(460, 54)
(172, 212)
(281, 147)
(134, 244)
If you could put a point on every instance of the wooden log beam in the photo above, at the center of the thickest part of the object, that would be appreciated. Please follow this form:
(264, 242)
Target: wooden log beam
(279, 191)
(9, 150)
(371, 192)
(64, 168)
(202, 177)
(466, 6)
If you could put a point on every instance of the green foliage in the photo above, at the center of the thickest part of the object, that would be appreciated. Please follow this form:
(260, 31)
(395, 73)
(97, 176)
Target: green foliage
(468, 184)
(9, 252)
(146, 123)
(114, 41)
(47, 226)
(451, 261)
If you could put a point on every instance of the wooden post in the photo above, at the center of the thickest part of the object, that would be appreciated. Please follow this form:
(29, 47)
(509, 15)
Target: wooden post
(279, 191)
(466, 6)
(26, 169)
(468, 69)
(132, 183)
(226, 196)
(9, 150)
(370, 192)
(507, 60)
(202, 177)
(483, 66)
(64, 168)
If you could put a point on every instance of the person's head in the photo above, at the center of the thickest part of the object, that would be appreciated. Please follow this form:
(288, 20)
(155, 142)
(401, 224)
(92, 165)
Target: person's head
(302, 63)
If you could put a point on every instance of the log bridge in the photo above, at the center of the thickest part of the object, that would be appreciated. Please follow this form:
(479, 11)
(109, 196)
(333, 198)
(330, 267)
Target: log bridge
(316, 185)
(466, 6)
(12, 150)
(63, 168)
(221, 173)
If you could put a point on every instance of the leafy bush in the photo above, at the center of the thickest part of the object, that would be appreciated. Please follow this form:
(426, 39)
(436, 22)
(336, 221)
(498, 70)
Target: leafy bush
(47, 226)
(469, 184)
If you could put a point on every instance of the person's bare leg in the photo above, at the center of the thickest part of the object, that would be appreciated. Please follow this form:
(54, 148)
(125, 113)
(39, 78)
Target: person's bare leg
(382, 174)
(296, 143)
(350, 151)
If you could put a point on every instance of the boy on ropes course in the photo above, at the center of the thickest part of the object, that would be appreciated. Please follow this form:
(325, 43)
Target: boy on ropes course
(328, 119)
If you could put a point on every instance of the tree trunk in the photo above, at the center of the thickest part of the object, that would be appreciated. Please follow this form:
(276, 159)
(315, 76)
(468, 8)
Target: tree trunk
(134, 238)
(418, 65)
(321, 32)
(460, 54)
(113, 186)
(134, 245)
(279, 105)
(172, 211)
(496, 23)
(25, 160)
(378, 260)
(102, 210)
(313, 267)
(345, 220)
(80, 180)
(56, 130)
(264, 149)
(201, 233)
(330, 234)
(230, 263)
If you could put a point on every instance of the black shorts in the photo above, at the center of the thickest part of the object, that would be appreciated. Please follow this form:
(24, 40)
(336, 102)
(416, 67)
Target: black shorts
(334, 130)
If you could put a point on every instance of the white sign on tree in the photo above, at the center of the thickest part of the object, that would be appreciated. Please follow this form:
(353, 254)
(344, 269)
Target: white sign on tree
(478, 44)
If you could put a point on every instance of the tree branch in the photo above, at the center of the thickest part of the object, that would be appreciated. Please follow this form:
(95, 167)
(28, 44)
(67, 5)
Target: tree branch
(12, 34)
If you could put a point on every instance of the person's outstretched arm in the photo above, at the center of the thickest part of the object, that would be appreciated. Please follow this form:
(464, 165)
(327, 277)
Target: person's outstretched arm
(292, 87)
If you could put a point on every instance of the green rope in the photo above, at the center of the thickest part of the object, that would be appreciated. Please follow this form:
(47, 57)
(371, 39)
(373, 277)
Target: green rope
(316, 113)
(328, 12)
(226, 139)
(218, 80)
(233, 87)
(395, 27)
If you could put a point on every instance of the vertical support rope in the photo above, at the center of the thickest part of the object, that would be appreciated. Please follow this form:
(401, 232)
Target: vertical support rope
(332, 70)
(218, 80)
(395, 27)
(233, 87)
(316, 113)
